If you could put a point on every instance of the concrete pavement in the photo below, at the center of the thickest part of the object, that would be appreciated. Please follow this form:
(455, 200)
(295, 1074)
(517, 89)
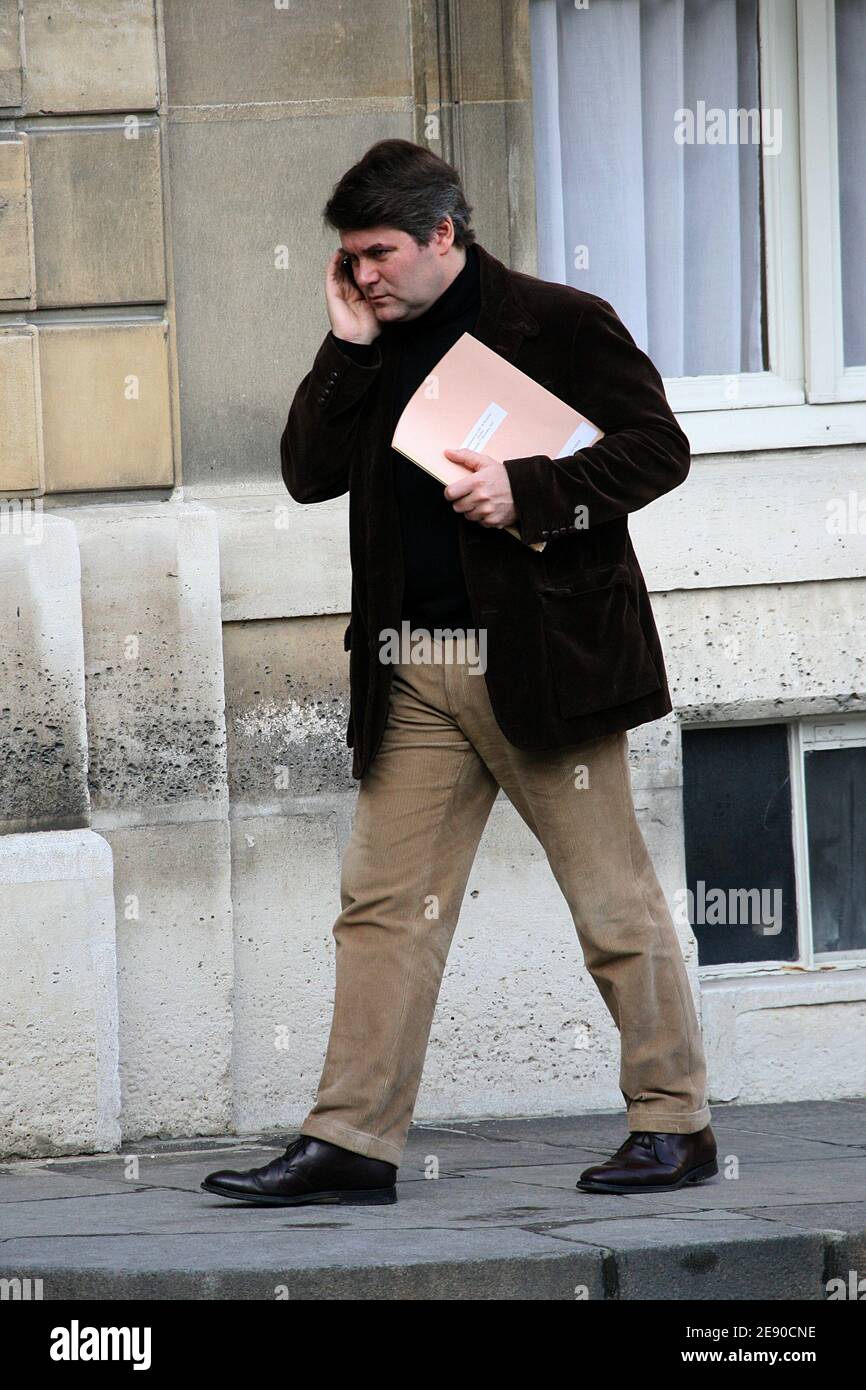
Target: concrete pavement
(502, 1220)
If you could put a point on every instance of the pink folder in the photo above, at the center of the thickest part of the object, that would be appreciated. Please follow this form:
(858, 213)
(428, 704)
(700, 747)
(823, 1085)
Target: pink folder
(475, 399)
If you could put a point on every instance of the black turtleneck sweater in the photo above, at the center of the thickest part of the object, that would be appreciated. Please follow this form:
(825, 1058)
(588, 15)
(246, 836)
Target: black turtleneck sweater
(434, 593)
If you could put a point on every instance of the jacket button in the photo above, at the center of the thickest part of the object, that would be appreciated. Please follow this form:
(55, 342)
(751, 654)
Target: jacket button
(544, 535)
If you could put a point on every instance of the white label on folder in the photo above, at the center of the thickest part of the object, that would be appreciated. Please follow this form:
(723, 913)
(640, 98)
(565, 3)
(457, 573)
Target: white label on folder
(486, 425)
(584, 434)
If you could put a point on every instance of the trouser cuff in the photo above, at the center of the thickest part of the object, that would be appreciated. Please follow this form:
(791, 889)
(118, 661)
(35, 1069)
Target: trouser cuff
(648, 1117)
(354, 1139)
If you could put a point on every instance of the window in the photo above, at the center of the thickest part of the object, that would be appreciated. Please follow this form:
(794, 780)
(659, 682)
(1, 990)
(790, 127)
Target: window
(699, 163)
(775, 838)
(835, 779)
(640, 204)
(851, 123)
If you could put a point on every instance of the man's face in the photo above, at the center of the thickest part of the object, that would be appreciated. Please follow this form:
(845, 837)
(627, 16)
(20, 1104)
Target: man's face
(399, 278)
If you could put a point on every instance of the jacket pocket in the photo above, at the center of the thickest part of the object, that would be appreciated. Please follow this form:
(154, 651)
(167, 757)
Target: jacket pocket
(599, 657)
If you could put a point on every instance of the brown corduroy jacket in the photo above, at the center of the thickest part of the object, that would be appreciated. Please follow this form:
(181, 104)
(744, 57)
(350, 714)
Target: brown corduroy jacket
(572, 649)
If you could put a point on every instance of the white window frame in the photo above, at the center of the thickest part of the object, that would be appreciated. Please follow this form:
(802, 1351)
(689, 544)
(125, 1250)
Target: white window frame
(814, 732)
(807, 398)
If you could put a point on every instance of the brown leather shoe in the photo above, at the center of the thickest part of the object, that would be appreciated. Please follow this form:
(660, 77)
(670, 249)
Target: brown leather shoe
(310, 1171)
(651, 1162)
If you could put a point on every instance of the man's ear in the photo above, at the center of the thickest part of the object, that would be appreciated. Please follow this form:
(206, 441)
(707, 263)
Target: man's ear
(443, 229)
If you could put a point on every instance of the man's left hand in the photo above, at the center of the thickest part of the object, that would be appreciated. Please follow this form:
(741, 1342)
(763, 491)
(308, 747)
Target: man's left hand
(484, 495)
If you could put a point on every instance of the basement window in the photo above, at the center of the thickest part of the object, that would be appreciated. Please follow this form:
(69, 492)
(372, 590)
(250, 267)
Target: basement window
(775, 844)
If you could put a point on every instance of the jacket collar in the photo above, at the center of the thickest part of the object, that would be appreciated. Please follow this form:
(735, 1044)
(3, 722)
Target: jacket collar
(504, 320)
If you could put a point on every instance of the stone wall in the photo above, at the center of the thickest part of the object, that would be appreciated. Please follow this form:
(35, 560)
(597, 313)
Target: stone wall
(173, 685)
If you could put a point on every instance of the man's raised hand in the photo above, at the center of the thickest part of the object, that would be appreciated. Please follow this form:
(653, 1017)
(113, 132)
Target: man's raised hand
(351, 316)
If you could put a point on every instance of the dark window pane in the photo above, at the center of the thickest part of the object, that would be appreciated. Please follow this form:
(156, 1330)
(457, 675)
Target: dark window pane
(739, 846)
(851, 135)
(836, 824)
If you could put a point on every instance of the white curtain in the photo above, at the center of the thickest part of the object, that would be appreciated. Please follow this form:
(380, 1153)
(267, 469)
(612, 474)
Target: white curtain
(851, 123)
(672, 230)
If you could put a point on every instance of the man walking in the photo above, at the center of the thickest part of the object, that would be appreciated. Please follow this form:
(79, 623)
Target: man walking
(572, 660)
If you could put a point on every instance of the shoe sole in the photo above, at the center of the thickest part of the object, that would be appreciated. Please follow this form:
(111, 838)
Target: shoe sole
(375, 1197)
(700, 1174)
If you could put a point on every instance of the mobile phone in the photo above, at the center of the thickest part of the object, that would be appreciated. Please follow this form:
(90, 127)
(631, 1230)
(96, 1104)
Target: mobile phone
(346, 267)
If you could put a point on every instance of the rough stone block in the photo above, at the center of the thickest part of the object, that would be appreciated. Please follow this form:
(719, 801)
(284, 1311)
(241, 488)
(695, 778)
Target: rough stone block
(20, 417)
(293, 52)
(758, 1030)
(59, 1087)
(15, 277)
(43, 731)
(655, 754)
(723, 663)
(155, 700)
(255, 302)
(285, 885)
(287, 694)
(757, 518)
(493, 36)
(97, 213)
(280, 559)
(10, 54)
(91, 55)
(172, 894)
(105, 406)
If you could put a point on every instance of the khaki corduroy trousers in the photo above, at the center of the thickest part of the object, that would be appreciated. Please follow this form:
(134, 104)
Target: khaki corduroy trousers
(421, 809)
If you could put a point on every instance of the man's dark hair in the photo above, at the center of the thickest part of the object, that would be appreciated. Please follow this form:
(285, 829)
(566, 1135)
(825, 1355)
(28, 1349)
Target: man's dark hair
(398, 184)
